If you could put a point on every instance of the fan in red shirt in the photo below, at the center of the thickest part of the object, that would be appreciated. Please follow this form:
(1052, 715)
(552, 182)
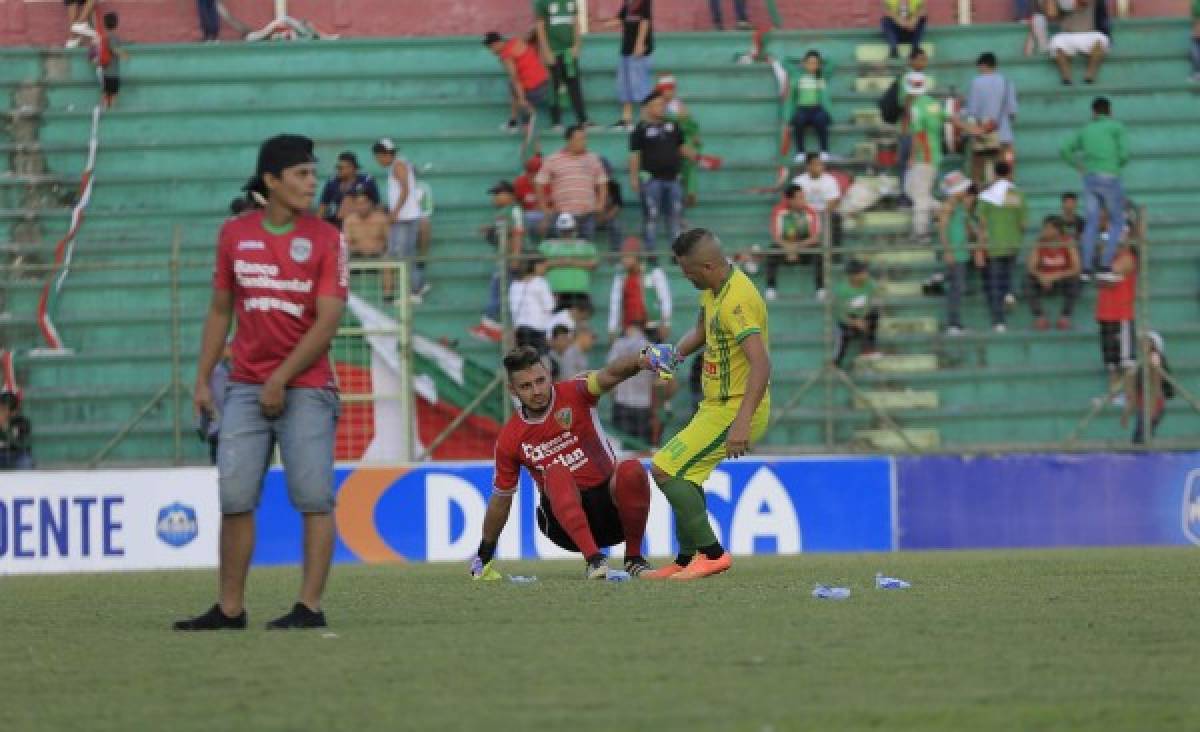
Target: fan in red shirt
(588, 498)
(283, 273)
(1115, 313)
(529, 82)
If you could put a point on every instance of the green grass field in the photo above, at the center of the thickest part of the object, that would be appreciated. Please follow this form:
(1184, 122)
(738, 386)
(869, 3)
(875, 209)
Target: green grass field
(1097, 640)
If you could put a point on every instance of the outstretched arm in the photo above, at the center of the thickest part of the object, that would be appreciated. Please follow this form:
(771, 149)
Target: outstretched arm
(607, 378)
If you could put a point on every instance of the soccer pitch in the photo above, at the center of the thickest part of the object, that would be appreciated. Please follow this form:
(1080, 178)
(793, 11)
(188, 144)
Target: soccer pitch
(1095, 639)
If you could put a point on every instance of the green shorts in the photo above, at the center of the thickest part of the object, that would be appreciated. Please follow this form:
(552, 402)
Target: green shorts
(695, 452)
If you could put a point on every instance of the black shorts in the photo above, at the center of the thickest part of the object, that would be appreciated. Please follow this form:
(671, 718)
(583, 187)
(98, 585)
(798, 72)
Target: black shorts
(112, 85)
(564, 300)
(601, 514)
(1117, 344)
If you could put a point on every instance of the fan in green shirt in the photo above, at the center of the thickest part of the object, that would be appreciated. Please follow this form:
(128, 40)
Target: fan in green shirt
(560, 17)
(854, 296)
(571, 262)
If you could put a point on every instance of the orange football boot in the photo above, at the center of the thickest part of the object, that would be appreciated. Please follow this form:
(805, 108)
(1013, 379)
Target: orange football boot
(702, 566)
(664, 572)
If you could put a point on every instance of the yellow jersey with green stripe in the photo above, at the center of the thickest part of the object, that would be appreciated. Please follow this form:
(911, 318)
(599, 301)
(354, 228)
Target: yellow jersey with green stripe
(731, 315)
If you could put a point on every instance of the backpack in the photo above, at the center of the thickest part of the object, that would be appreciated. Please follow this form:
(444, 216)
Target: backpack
(889, 104)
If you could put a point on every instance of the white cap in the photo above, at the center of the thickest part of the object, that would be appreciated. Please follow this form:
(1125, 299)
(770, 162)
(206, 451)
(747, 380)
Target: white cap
(1157, 339)
(564, 222)
(385, 144)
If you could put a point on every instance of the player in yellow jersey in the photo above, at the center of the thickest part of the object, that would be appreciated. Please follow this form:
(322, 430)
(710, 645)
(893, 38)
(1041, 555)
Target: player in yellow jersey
(732, 328)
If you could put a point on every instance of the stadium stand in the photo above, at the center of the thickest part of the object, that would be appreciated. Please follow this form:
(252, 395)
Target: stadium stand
(190, 117)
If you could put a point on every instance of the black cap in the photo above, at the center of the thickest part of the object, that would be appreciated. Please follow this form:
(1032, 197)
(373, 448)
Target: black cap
(856, 266)
(491, 37)
(278, 154)
(502, 187)
(656, 94)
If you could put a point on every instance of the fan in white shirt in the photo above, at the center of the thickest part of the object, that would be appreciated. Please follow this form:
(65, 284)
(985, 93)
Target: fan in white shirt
(530, 298)
(821, 189)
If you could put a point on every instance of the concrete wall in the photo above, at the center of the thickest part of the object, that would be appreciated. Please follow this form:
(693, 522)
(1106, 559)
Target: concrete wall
(41, 22)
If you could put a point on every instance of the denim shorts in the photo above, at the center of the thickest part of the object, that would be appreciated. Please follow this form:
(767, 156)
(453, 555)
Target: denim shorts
(633, 78)
(304, 433)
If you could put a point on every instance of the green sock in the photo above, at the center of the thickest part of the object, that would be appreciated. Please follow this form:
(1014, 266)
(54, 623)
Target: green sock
(691, 516)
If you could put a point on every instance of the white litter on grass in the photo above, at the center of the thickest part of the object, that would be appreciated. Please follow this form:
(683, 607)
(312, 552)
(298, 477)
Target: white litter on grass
(329, 635)
(825, 592)
(891, 583)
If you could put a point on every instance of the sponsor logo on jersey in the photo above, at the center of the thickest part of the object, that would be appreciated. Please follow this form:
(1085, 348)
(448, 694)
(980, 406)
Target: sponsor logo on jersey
(563, 417)
(251, 245)
(301, 250)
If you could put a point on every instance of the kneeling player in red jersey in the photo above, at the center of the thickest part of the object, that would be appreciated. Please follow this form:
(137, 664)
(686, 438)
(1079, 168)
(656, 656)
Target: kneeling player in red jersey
(588, 499)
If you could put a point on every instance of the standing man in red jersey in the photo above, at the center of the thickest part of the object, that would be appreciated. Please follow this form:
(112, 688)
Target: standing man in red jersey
(588, 499)
(284, 272)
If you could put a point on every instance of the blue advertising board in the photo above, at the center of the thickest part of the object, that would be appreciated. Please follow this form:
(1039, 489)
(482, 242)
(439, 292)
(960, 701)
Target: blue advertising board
(1048, 500)
(434, 512)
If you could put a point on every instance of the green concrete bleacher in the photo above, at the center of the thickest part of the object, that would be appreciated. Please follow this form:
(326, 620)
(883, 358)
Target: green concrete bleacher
(184, 135)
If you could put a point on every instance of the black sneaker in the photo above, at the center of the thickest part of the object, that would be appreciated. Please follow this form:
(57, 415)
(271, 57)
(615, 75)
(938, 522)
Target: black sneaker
(597, 568)
(299, 618)
(214, 619)
(636, 565)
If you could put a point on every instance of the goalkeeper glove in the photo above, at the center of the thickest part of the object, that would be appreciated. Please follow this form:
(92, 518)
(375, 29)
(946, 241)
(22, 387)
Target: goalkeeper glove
(663, 358)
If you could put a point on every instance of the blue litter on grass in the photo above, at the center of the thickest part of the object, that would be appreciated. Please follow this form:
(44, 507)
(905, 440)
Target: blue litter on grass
(520, 579)
(618, 575)
(890, 583)
(825, 592)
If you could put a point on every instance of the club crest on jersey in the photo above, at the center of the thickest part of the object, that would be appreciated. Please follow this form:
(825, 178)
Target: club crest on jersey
(301, 250)
(563, 417)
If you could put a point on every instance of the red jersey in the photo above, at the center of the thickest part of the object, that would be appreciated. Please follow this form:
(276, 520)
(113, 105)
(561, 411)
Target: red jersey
(275, 280)
(1052, 258)
(1115, 303)
(569, 433)
(530, 71)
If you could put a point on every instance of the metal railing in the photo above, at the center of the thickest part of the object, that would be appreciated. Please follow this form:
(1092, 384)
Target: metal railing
(394, 336)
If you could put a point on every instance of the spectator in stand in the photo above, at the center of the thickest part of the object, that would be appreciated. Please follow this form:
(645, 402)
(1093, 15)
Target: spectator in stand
(628, 302)
(570, 262)
(903, 22)
(425, 223)
(570, 350)
(526, 192)
(609, 218)
(1099, 152)
(578, 181)
(918, 61)
(210, 20)
(1077, 34)
(405, 212)
(795, 239)
(560, 36)
(1002, 213)
(1072, 223)
(739, 10)
(365, 224)
(346, 175)
(636, 66)
(507, 235)
(991, 111)
(1196, 41)
(926, 121)
(1053, 270)
(560, 343)
(678, 113)
(856, 307)
(107, 54)
(1115, 308)
(956, 228)
(79, 16)
(822, 193)
(656, 155)
(633, 399)
(813, 105)
(16, 435)
(529, 83)
(1160, 389)
(532, 304)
